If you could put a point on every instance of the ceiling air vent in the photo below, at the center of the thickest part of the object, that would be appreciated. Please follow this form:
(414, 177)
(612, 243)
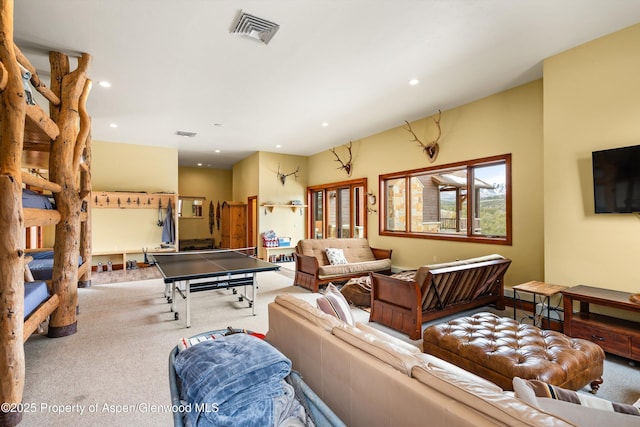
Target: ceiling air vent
(185, 133)
(255, 28)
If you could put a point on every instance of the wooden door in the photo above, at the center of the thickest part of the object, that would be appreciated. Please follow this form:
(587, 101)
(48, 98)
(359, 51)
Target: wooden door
(234, 225)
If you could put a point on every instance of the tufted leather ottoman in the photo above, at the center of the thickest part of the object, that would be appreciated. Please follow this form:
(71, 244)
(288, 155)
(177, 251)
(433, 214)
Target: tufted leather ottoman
(500, 348)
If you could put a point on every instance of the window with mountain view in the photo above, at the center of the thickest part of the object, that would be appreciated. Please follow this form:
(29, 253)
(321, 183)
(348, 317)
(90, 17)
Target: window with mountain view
(467, 201)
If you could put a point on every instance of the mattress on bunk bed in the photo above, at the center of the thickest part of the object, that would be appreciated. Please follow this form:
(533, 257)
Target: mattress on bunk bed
(31, 199)
(35, 293)
(42, 265)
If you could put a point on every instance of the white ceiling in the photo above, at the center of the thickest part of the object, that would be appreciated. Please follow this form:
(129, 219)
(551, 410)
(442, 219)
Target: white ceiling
(174, 65)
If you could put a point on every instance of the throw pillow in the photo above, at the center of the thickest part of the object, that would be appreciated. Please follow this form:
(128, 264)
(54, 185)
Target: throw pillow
(335, 256)
(334, 303)
(543, 390)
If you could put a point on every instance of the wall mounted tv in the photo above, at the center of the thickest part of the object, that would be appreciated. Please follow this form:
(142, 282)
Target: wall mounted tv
(616, 180)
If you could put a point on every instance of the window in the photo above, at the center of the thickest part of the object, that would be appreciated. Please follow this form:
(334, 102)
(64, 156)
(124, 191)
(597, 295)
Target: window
(338, 210)
(466, 201)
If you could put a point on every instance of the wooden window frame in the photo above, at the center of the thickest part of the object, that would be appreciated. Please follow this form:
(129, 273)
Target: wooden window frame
(470, 236)
(352, 184)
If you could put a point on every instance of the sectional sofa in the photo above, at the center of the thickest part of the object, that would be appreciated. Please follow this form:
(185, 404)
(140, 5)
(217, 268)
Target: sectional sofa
(369, 378)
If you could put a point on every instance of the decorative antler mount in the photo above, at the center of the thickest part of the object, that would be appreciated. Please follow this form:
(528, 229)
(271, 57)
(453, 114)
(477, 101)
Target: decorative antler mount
(346, 166)
(432, 148)
(283, 176)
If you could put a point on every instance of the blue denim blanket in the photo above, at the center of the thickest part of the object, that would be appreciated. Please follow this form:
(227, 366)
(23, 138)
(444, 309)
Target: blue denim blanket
(235, 380)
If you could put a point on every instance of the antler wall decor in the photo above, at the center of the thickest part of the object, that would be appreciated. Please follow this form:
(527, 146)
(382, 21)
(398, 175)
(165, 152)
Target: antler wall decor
(346, 166)
(283, 176)
(432, 148)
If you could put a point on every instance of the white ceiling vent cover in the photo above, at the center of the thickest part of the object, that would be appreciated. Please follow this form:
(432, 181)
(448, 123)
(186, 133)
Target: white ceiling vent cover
(255, 28)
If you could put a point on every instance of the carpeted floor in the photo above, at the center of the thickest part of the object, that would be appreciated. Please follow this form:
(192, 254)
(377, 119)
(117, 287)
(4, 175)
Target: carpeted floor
(113, 371)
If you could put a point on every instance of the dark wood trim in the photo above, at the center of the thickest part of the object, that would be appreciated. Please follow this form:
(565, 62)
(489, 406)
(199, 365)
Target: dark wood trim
(351, 185)
(469, 237)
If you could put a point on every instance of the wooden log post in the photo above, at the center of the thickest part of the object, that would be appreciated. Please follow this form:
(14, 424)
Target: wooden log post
(70, 87)
(12, 118)
(85, 227)
(82, 161)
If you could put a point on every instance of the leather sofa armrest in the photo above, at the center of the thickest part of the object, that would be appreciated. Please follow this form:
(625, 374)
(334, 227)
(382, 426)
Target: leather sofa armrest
(381, 253)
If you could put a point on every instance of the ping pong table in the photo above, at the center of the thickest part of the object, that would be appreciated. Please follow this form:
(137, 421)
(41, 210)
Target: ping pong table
(198, 271)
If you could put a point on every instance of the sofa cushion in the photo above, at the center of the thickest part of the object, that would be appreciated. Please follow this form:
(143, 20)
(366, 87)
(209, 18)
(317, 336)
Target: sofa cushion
(355, 250)
(382, 349)
(351, 268)
(308, 311)
(582, 409)
(500, 406)
(533, 391)
(335, 256)
(396, 342)
(430, 360)
(335, 304)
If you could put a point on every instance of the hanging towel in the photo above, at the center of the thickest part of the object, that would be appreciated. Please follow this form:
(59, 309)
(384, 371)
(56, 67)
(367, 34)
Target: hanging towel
(169, 227)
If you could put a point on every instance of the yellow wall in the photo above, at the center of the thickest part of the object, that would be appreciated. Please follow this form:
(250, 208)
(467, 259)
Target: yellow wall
(508, 122)
(246, 178)
(127, 167)
(591, 102)
(284, 221)
(257, 176)
(212, 184)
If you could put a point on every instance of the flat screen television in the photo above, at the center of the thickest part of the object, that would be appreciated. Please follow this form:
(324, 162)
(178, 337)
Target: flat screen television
(616, 180)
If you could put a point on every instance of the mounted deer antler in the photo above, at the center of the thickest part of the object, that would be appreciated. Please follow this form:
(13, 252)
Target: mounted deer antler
(283, 177)
(432, 148)
(346, 166)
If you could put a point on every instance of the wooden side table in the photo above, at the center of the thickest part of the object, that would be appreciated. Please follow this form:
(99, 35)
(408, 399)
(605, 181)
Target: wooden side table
(544, 290)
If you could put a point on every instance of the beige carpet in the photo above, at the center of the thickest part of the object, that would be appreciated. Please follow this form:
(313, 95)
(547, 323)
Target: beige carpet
(113, 372)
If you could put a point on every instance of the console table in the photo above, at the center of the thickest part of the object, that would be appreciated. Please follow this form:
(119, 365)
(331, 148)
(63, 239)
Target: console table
(614, 335)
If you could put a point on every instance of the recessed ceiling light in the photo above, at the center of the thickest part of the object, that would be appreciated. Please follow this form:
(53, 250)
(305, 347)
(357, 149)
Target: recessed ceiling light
(105, 84)
(199, 164)
(278, 146)
(113, 125)
(217, 151)
(325, 124)
(414, 82)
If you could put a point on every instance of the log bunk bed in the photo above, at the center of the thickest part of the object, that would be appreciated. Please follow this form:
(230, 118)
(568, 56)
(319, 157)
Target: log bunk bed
(63, 136)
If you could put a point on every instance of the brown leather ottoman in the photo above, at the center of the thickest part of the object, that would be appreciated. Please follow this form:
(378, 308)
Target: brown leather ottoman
(500, 348)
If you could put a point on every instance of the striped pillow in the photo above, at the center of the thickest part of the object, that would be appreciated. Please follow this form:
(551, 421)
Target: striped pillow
(334, 303)
(544, 390)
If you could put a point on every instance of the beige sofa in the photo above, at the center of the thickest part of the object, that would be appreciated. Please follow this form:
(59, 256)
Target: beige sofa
(369, 378)
(314, 269)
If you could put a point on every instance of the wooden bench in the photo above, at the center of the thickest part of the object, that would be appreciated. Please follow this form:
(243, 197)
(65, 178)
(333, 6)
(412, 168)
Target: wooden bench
(435, 291)
(121, 254)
